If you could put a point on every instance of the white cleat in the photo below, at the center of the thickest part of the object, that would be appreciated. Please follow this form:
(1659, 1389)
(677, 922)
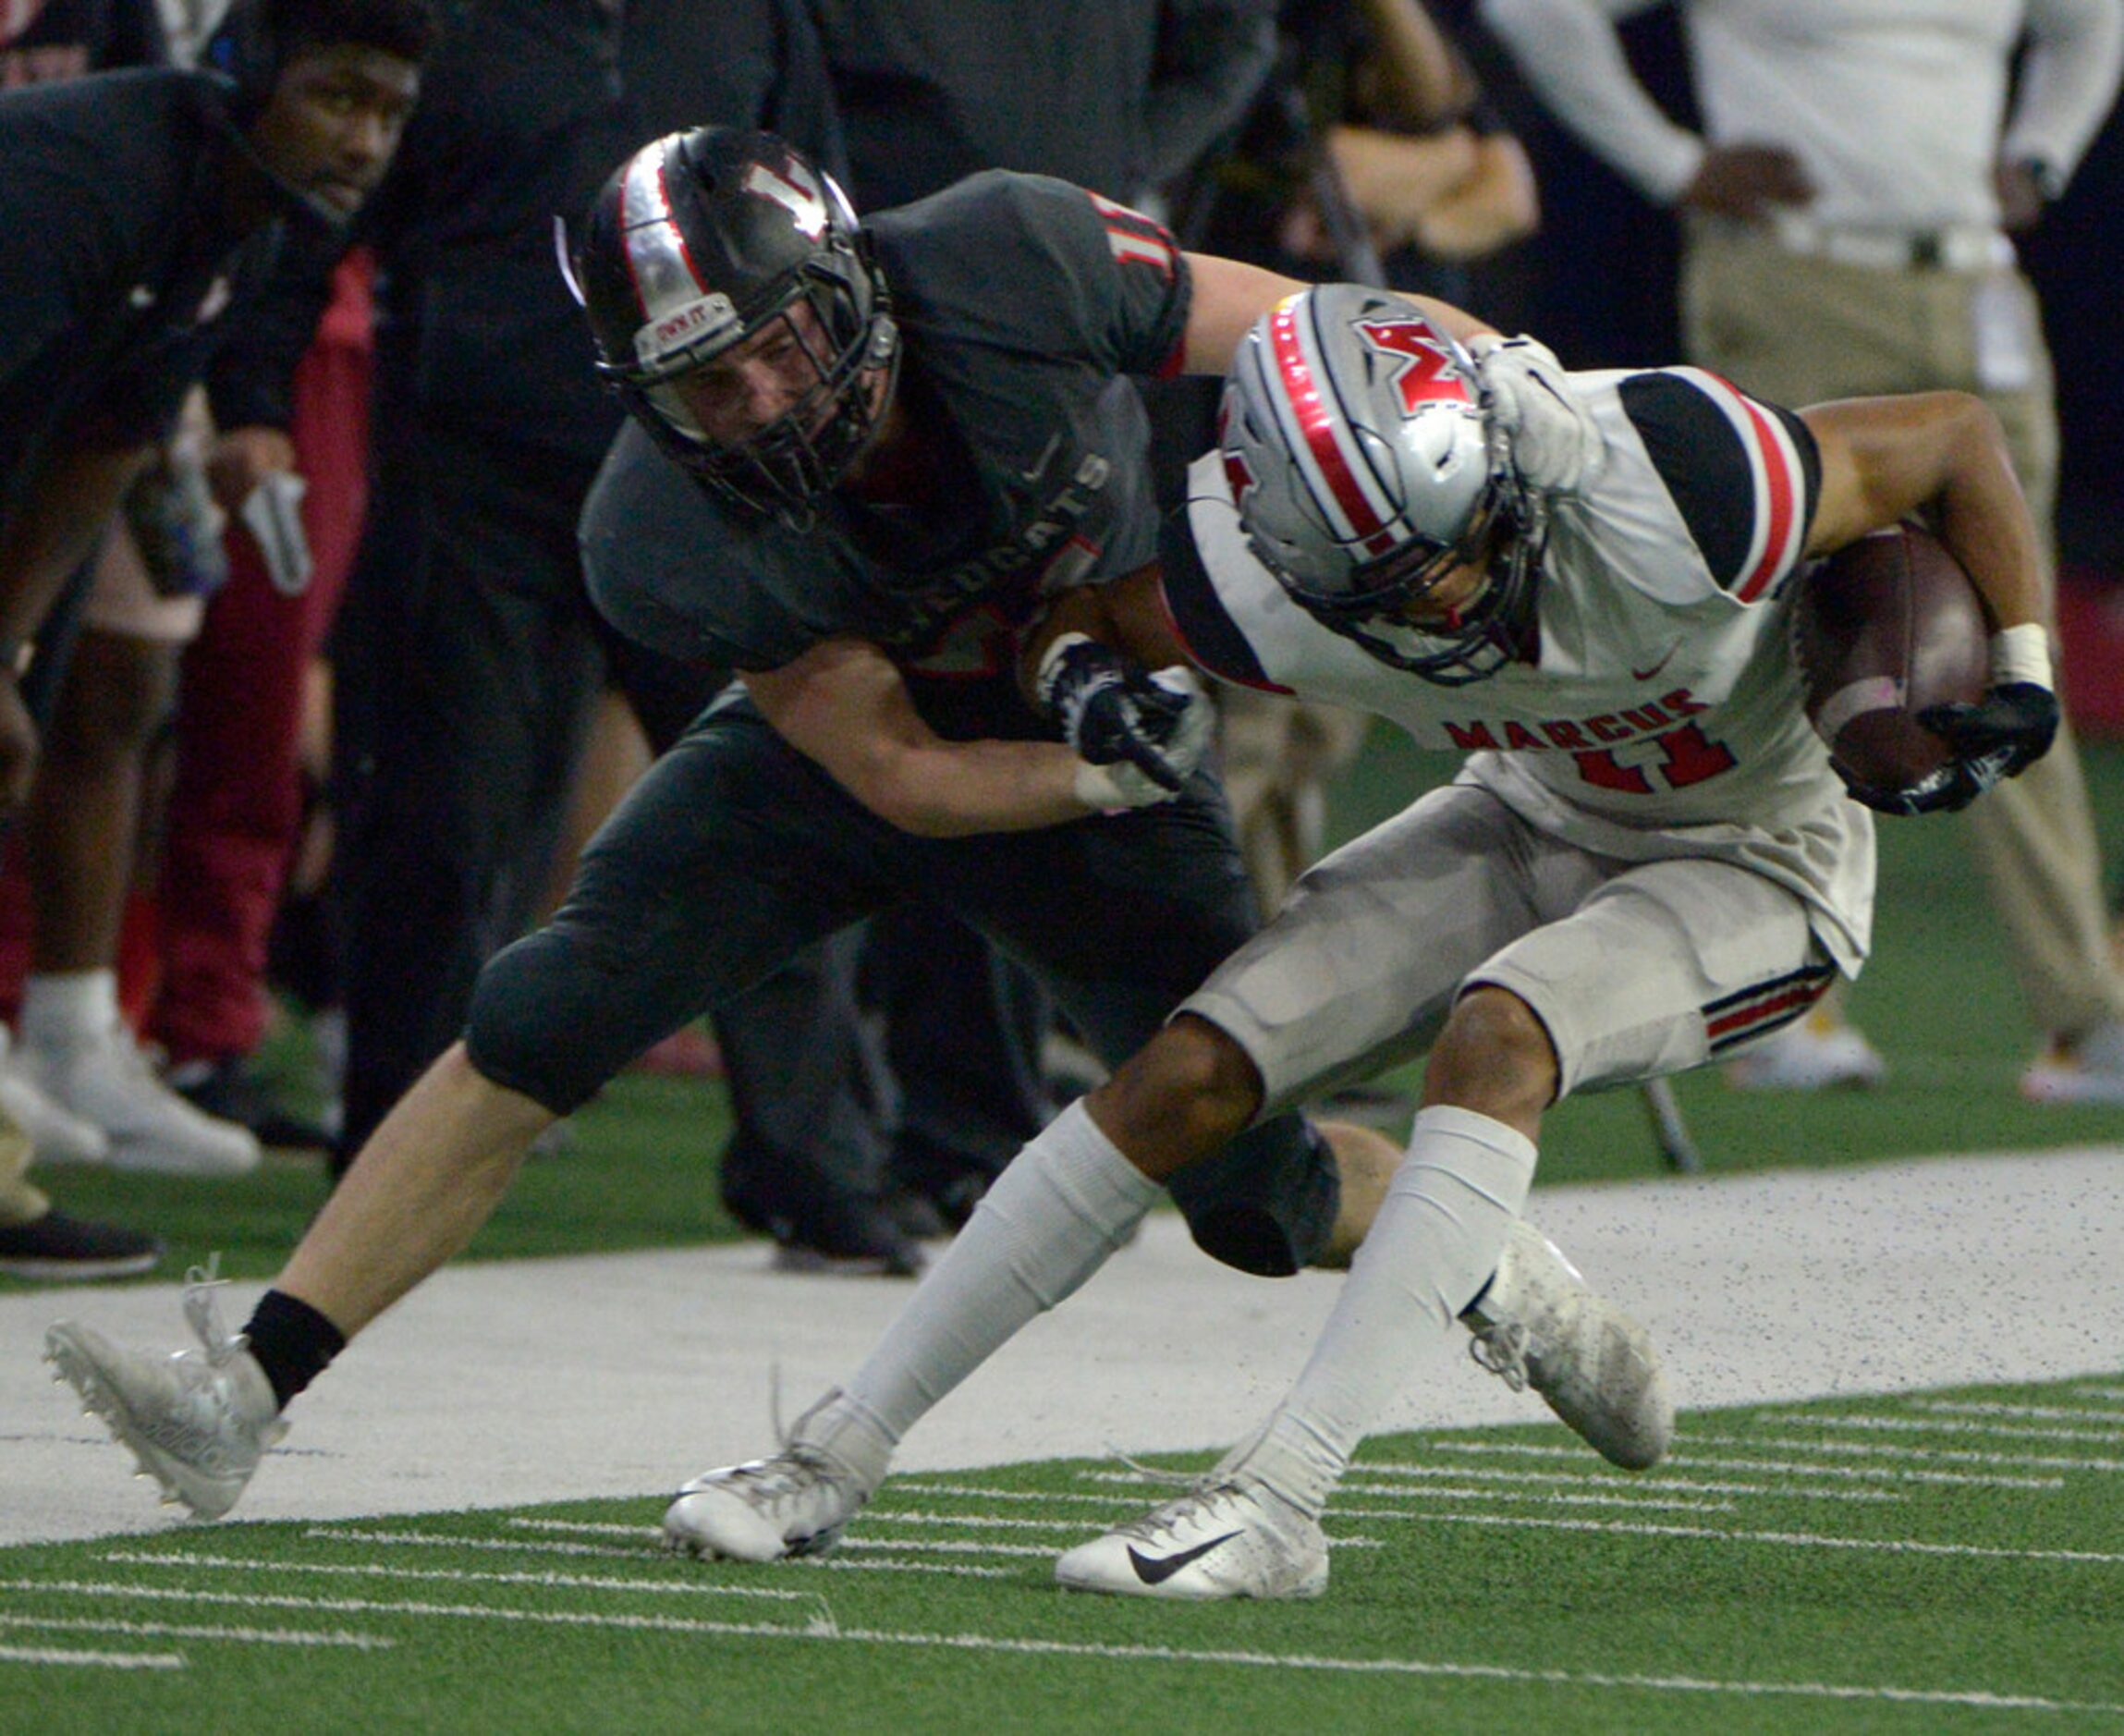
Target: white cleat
(1817, 1053)
(107, 1082)
(55, 1134)
(197, 1421)
(2090, 1069)
(798, 1502)
(1228, 1538)
(1541, 1324)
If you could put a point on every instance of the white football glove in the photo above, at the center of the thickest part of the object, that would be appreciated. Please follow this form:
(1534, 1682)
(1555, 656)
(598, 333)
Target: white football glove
(1556, 447)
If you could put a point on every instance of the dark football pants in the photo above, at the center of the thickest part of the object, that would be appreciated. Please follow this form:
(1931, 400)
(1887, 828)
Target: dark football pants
(467, 653)
(736, 850)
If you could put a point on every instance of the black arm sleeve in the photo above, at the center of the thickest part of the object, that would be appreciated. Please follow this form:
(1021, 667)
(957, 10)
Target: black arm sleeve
(250, 380)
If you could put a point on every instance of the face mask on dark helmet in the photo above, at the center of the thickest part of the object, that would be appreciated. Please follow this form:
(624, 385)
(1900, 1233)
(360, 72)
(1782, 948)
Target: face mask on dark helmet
(703, 240)
(1366, 471)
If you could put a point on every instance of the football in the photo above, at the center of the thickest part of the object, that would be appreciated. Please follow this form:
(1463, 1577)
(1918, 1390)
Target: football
(1882, 630)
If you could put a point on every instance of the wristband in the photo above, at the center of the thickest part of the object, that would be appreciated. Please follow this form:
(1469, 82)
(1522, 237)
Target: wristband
(2023, 654)
(1044, 681)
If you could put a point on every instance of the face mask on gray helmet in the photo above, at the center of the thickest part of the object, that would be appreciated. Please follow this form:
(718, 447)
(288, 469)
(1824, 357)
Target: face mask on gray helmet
(1365, 473)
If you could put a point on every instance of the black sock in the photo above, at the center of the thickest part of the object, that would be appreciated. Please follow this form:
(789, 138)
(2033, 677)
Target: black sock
(292, 1341)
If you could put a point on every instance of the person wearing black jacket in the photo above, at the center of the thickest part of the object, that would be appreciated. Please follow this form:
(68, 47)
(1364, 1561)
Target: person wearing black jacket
(468, 652)
(139, 210)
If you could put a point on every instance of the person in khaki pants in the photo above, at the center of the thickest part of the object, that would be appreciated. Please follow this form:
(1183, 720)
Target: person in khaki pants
(1847, 223)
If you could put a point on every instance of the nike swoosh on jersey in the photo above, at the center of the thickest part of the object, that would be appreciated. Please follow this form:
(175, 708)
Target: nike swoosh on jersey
(1646, 675)
(1155, 1569)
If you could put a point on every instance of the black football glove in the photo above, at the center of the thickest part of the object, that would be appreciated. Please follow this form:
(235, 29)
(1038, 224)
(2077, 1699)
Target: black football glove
(2007, 731)
(1115, 713)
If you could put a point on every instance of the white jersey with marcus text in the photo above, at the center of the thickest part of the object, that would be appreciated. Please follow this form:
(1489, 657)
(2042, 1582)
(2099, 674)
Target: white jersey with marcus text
(1660, 715)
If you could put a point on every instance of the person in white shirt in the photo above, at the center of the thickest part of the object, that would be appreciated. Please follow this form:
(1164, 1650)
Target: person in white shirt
(1847, 219)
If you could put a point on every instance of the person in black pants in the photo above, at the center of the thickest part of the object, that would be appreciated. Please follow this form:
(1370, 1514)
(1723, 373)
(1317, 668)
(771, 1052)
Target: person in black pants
(467, 653)
(140, 214)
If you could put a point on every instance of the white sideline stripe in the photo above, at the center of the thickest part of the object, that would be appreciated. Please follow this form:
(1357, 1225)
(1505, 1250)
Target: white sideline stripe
(428, 1539)
(1680, 1504)
(1944, 1455)
(172, 1631)
(1799, 1539)
(1606, 1499)
(1882, 1473)
(2035, 1412)
(987, 1522)
(413, 1607)
(1924, 1424)
(941, 1546)
(1702, 1461)
(465, 1576)
(953, 1570)
(840, 1548)
(1065, 1648)
(101, 1660)
(589, 1527)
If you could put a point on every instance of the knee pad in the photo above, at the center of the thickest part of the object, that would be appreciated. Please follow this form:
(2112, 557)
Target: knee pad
(535, 1026)
(1265, 1204)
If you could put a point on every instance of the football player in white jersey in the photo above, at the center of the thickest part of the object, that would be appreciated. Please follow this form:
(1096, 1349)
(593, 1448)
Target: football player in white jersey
(1645, 862)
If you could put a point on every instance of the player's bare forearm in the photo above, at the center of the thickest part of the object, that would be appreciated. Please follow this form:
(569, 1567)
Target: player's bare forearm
(844, 705)
(1941, 454)
(1229, 296)
(1127, 614)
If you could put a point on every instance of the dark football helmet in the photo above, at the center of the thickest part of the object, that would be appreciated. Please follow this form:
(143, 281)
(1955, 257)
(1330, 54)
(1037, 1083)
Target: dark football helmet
(1364, 469)
(698, 242)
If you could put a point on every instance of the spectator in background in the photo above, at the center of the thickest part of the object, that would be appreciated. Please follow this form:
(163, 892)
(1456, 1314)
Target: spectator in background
(1369, 156)
(1847, 216)
(45, 44)
(139, 210)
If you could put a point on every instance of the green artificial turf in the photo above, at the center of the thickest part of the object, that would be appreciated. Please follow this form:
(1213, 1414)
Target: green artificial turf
(1947, 1561)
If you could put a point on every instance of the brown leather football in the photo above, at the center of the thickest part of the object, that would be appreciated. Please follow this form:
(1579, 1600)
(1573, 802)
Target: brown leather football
(1882, 629)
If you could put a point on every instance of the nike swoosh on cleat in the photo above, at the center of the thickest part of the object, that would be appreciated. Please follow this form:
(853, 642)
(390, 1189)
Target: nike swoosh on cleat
(1157, 1570)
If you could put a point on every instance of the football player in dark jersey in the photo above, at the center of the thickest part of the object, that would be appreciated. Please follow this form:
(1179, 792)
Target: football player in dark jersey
(864, 460)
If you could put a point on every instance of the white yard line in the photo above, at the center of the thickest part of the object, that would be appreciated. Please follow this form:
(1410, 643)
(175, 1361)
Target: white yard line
(822, 1629)
(511, 1383)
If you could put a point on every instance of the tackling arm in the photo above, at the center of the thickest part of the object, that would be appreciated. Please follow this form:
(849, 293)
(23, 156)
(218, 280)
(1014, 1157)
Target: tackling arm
(844, 705)
(1229, 296)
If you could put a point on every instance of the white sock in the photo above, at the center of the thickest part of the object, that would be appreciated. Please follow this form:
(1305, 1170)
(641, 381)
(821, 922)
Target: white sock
(1433, 1247)
(66, 1007)
(1062, 1206)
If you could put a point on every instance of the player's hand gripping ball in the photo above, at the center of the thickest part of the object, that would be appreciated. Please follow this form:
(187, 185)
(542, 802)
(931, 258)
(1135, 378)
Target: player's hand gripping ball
(1893, 646)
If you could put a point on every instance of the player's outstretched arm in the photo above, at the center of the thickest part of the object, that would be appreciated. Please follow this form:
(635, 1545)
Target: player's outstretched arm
(1229, 296)
(844, 705)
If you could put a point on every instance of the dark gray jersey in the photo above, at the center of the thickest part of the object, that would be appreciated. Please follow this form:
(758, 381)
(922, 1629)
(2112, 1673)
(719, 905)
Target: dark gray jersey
(1022, 302)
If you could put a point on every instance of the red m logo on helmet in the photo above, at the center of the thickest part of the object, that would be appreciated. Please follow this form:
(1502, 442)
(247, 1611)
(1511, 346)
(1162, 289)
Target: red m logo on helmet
(1426, 373)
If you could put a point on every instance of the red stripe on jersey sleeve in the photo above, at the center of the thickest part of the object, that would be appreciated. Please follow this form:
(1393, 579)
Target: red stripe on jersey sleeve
(1779, 502)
